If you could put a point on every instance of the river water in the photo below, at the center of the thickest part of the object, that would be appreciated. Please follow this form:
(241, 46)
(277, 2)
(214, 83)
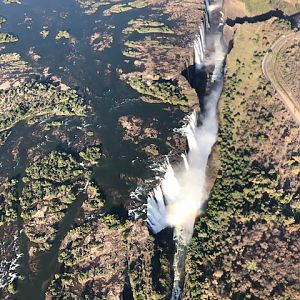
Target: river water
(109, 97)
(77, 66)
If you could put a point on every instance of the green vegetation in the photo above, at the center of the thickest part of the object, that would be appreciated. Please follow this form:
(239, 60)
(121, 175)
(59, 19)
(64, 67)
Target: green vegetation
(48, 126)
(78, 251)
(135, 49)
(120, 8)
(92, 6)
(83, 247)
(51, 184)
(253, 210)
(167, 91)
(140, 257)
(11, 289)
(91, 155)
(117, 9)
(62, 34)
(131, 53)
(111, 221)
(8, 201)
(95, 201)
(142, 26)
(159, 55)
(55, 189)
(139, 3)
(33, 99)
(138, 45)
(162, 272)
(57, 166)
(145, 23)
(256, 7)
(3, 136)
(50, 188)
(162, 29)
(7, 38)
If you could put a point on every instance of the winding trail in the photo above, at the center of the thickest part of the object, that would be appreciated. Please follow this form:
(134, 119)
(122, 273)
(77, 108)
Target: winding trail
(272, 73)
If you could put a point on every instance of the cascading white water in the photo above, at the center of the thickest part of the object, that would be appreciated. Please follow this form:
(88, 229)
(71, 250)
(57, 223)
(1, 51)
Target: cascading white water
(185, 161)
(214, 6)
(199, 47)
(207, 16)
(181, 195)
(156, 212)
(207, 4)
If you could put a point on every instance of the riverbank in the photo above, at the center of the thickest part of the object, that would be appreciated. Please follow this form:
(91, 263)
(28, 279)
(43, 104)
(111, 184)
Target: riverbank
(253, 208)
(271, 69)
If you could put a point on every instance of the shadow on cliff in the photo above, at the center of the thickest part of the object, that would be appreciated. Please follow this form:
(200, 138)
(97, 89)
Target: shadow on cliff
(198, 80)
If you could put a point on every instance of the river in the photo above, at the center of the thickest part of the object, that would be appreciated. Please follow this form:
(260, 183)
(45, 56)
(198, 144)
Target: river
(94, 75)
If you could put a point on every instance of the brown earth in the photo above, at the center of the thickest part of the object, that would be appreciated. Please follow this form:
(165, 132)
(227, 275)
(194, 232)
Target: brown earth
(289, 64)
(281, 69)
(167, 55)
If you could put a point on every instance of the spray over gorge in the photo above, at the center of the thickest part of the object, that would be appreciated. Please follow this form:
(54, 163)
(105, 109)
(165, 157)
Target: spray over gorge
(135, 163)
(178, 200)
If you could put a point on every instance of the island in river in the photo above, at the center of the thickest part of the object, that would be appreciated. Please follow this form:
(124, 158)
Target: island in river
(92, 95)
(92, 98)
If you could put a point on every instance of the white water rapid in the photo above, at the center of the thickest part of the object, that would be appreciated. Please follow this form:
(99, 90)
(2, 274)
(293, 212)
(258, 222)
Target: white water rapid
(178, 200)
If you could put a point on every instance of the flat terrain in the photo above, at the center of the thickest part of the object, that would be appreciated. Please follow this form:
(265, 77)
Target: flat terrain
(249, 8)
(288, 64)
(272, 72)
(256, 7)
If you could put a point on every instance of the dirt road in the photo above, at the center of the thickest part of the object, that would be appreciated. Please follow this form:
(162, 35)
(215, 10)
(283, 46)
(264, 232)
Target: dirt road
(270, 70)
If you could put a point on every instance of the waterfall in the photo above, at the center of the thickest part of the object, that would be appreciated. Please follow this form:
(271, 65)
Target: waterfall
(199, 47)
(160, 199)
(189, 131)
(207, 4)
(179, 198)
(156, 212)
(199, 42)
(207, 15)
(185, 161)
(213, 7)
